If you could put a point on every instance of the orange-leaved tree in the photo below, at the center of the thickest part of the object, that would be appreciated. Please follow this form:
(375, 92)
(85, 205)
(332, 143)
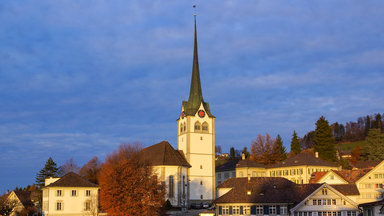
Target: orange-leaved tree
(262, 149)
(128, 185)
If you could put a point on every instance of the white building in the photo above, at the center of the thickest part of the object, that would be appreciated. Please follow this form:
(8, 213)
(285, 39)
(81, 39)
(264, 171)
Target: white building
(171, 168)
(196, 138)
(70, 195)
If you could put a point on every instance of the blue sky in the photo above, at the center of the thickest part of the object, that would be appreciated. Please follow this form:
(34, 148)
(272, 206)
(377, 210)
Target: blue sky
(77, 78)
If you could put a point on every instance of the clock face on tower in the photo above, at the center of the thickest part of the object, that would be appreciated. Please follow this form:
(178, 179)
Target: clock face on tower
(201, 113)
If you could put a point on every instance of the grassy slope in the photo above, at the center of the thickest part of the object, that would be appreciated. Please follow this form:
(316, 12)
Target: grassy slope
(351, 145)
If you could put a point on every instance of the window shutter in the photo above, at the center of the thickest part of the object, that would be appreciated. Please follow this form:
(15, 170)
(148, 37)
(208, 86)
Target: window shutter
(241, 210)
(266, 210)
(253, 209)
(230, 210)
(220, 210)
(278, 209)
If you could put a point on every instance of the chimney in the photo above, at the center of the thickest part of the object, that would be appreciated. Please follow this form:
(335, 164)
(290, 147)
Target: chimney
(317, 154)
(243, 156)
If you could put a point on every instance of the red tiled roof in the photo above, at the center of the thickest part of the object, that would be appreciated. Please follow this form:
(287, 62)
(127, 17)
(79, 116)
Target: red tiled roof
(351, 176)
(316, 176)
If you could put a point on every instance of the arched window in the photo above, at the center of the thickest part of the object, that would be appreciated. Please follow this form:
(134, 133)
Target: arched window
(181, 128)
(185, 127)
(171, 187)
(205, 127)
(197, 127)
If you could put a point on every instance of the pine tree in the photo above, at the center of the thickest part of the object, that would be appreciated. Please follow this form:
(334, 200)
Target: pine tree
(232, 152)
(324, 143)
(246, 152)
(50, 170)
(374, 150)
(367, 124)
(279, 150)
(295, 144)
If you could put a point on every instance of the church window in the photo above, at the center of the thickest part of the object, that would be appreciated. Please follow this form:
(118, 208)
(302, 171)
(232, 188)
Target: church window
(171, 187)
(197, 127)
(185, 128)
(205, 127)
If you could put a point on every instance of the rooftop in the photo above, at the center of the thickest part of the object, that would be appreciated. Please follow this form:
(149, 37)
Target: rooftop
(303, 159)
(72, 179)
(164, 154)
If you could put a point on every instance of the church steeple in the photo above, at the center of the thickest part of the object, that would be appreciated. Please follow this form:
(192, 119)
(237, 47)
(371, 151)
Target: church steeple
(195, 93)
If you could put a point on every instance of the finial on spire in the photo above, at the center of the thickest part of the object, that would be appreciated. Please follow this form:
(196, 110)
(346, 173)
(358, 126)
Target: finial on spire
(194, 6)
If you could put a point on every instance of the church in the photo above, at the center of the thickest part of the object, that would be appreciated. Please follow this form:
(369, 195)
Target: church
(189, 171)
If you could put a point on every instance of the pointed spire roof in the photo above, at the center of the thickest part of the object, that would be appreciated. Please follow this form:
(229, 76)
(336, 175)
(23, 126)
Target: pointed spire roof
(195, 94)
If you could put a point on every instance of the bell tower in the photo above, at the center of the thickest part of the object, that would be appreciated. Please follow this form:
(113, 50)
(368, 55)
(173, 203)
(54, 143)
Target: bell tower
(196, 138)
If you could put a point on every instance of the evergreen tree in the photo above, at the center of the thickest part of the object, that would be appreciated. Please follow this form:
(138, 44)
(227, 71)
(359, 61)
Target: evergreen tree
(295, 144)
(324, 143)
(232, 152)
(50, 170)
(279, 150)
(246, 152)
(377, 123)
(374, 150)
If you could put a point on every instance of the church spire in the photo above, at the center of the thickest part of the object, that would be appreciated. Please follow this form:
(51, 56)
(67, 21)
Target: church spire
(195, 93)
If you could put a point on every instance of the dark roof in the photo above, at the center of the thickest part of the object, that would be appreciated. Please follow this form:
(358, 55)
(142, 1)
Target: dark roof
(380, 202)
(164, 154)
(230, 165)
(303, 159)
(24, 197)
(195, 94)
(264, 190)
(366, 164)
(249, 163)
(72, 179)
(346, 189)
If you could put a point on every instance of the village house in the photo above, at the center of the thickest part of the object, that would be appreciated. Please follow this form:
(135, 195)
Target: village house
(22, 202)
(70, 195)
(279, 196)
(373, 208)
(369, 181)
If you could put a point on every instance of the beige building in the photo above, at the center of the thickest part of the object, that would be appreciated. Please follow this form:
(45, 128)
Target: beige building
(277, 196)
(299, 168)
(196, 138)
(70, 195)
(172, 169)
(21, 202)
(370, 182)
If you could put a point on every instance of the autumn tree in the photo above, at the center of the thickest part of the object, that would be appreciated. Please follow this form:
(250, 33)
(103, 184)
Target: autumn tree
(128, 185)
(50, 170)
(374, 150)
(295, 143)
(90, 170)
(69, 166)
(355, 155)
(279, 151)
(261, 149)
(324, 143)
